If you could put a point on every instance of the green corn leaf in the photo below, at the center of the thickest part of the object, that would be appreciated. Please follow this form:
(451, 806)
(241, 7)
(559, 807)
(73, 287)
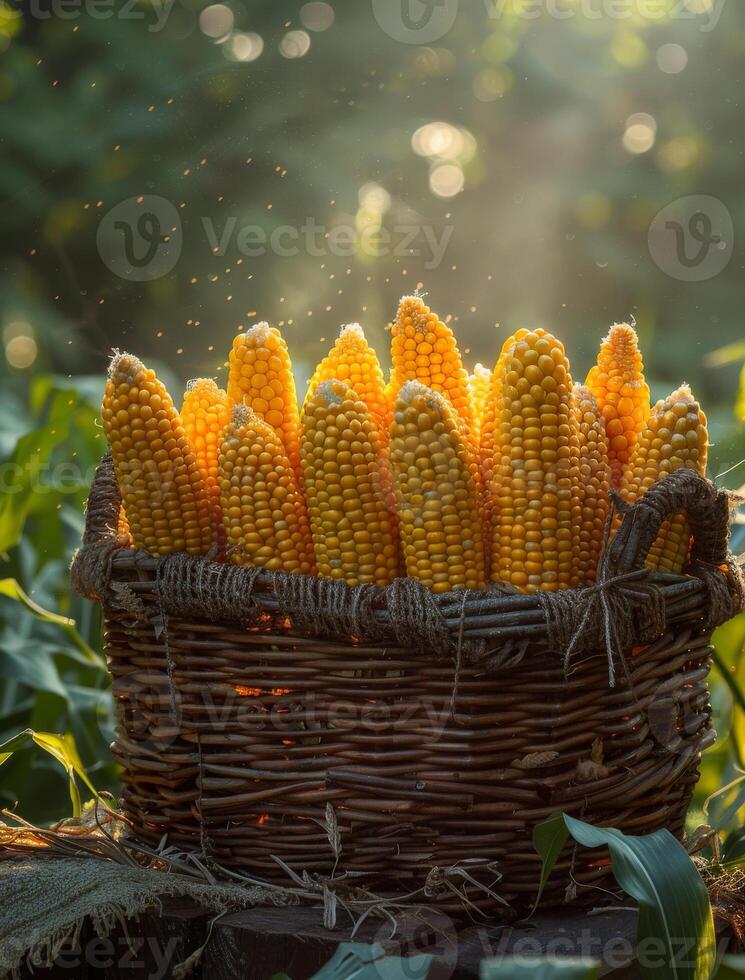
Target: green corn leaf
(10, 588)
(731, 968)
(60, 747)
(550, 968)
(674, 906)
(357, 961)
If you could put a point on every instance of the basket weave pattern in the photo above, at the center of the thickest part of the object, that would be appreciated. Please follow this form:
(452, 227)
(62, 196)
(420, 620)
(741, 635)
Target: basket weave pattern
(234, 736)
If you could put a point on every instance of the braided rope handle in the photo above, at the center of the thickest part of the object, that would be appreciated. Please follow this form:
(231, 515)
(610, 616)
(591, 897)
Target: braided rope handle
(102, 508)
(707, 507)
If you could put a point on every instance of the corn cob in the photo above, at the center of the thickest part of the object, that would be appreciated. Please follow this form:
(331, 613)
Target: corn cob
(536, 457)
(479, 386)
(423, 349)
(594, 482)
(674, 437)
(347, 488)
(164, 497)
(486, 434)
(617, 384)
(205, 413)
(260, 376)
(353, 361)
(263, 510)
(435, 476)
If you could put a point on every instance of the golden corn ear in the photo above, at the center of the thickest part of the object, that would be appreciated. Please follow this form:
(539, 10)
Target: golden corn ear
(675, 437)
(617, 384)
(594, 483)
(347, 488)
(205, 413)
(423, 349)
(436, 484)
(479, 385)
(263, 510)
(164, 497)
(536, 455)
(488, 421)
(353, 361)
(260, 376)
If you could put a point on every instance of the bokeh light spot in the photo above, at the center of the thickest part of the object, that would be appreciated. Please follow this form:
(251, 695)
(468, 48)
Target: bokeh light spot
(446, 180)
(216, 21)
(317, 16)
(295, 44)
(672, 58)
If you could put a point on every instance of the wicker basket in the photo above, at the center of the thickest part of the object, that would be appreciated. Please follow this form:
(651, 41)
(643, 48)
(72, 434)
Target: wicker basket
(244, 737)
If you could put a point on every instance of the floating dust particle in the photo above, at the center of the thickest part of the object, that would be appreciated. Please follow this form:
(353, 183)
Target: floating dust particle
(269, 206)
(151, 108)
(211, 347)
(332, 275)
(473, 309)
(467, 350)
(140, 199)
(117, 147)
(55, 83)
(250, 160)
(183, 204)
(179, 350)
(490, 277)
(251, 313)
(101, 301)
(193, 280)
(228, 269)
(454, 268)
(364, 309)
(187, 172)
(322, 340)
(290, 323)
(203, 162)
(240, 262)
(220, 199)
(328, 309)
(159, 333)
(420, 285)
(32, 252)
(230, 297)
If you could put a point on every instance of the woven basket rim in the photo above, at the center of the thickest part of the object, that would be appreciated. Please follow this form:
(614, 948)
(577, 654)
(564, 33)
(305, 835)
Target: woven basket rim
(709, 593)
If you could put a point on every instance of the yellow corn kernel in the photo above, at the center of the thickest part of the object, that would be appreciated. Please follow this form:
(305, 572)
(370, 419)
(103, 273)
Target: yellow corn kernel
(423, 349)
(675, 437)
(260, 376)
(479, 385)
(617, 384)
(594, 483)
(347, 488)
(435, 477)
(164, 497)
(353, 361)
(205, 413)
(263, 511)
(536, 457)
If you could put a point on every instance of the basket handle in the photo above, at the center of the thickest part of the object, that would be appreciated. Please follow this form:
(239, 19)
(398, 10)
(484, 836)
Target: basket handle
(102, 508)
(706, 506)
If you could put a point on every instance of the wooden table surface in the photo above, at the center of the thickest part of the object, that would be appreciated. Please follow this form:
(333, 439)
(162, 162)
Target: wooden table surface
(261, 942)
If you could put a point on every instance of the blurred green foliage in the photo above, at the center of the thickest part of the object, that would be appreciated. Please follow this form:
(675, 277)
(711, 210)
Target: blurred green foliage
(532, 114)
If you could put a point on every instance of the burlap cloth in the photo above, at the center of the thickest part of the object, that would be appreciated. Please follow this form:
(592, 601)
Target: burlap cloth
(44, 902)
